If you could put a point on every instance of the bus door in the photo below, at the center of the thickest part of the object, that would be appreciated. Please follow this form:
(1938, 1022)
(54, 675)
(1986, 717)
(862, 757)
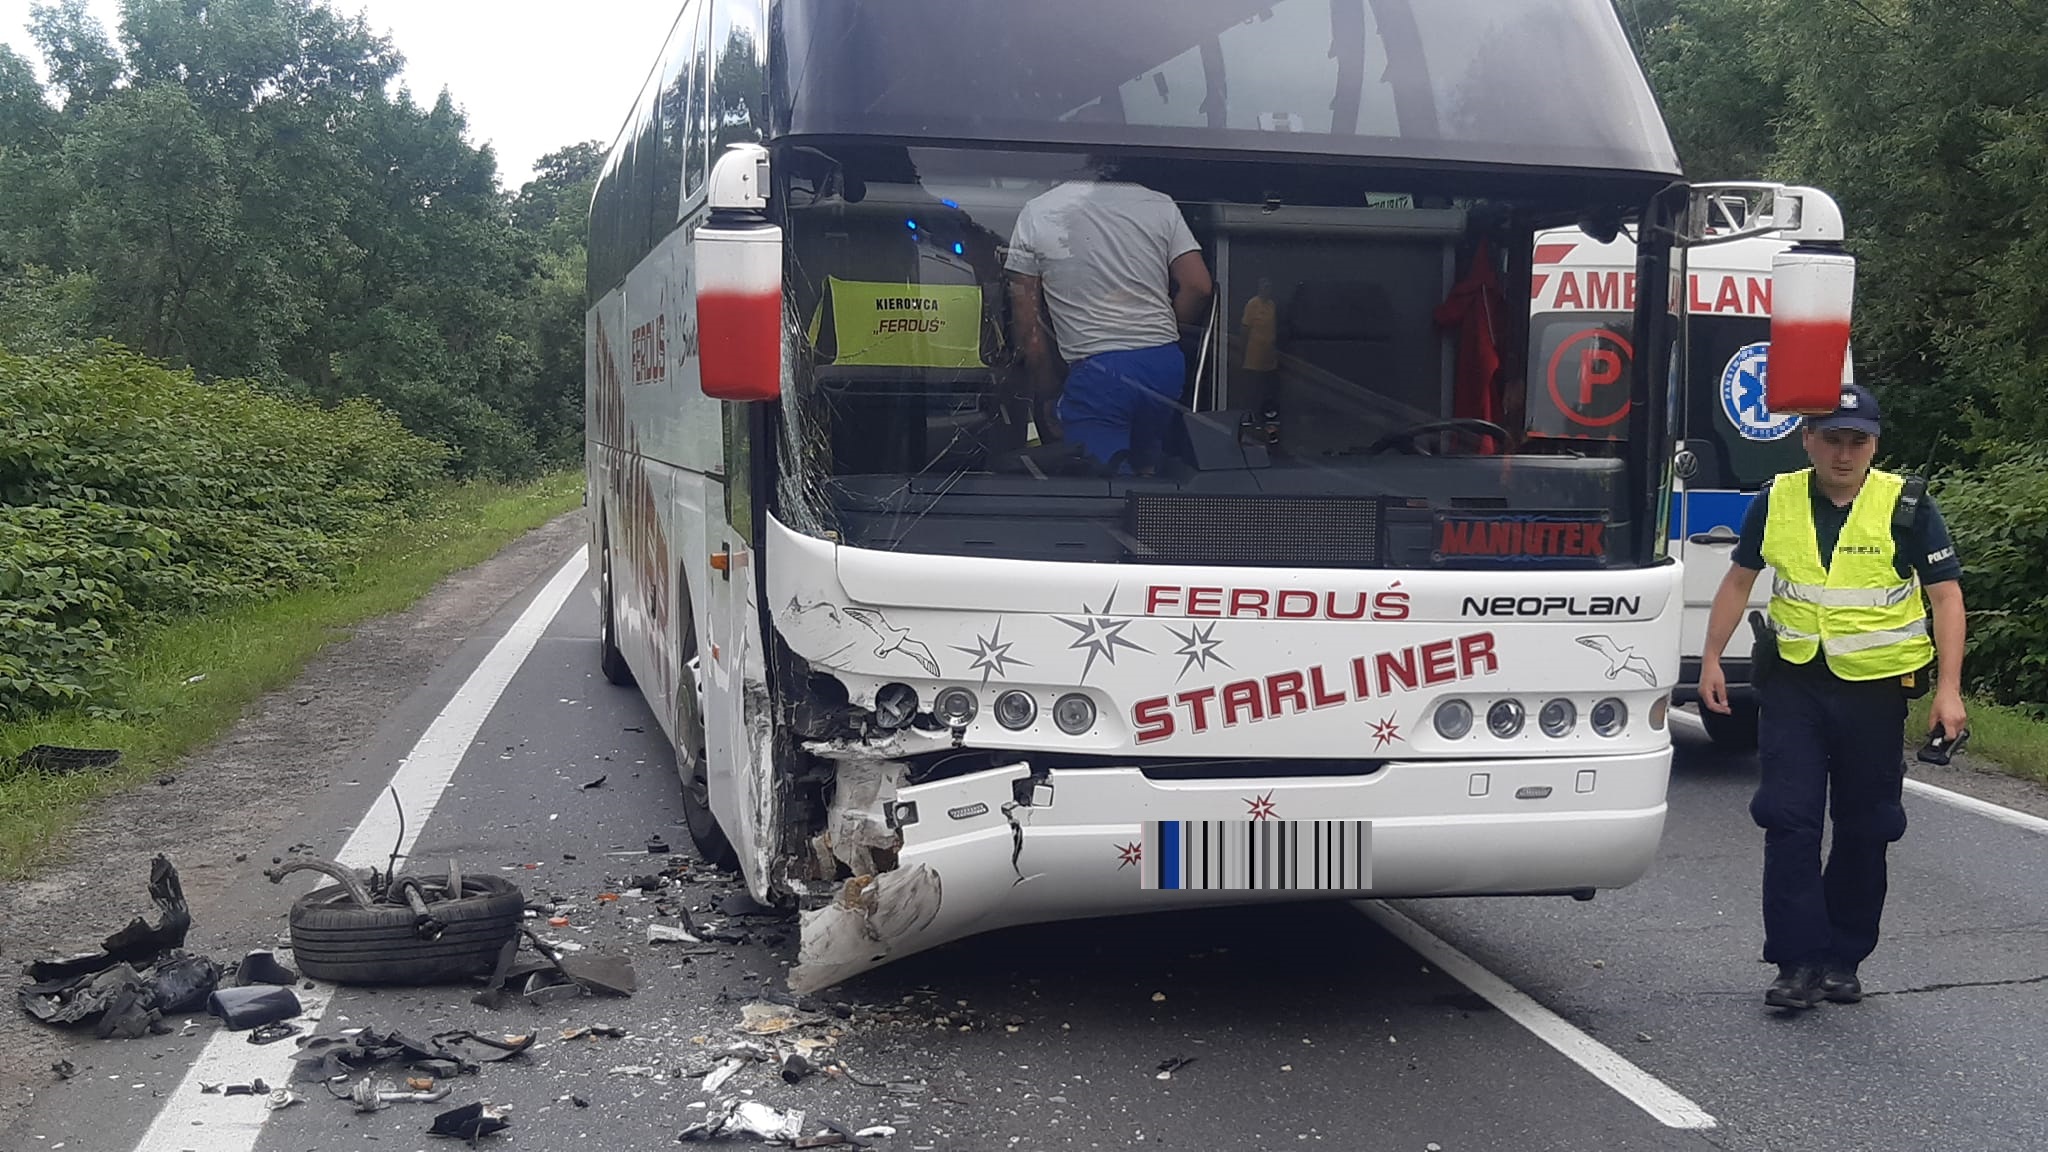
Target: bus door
(738, 759)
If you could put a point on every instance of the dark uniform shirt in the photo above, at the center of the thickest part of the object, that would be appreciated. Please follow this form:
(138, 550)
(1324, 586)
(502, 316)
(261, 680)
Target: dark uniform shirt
(1925, 549)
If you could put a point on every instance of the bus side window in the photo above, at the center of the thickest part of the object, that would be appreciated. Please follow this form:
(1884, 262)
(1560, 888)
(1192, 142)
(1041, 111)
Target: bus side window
(695, 133)
(739, 82)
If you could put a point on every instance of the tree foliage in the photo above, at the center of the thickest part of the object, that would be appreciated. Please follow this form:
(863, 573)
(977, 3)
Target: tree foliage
(243, 188)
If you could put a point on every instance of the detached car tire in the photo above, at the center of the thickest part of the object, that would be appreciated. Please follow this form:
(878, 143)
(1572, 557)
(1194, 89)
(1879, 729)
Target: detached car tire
(337, 940)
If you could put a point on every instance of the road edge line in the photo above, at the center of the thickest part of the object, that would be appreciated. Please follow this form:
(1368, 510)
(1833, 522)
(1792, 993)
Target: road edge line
(1664, 1103)
(191, 1120)
(1985, 808)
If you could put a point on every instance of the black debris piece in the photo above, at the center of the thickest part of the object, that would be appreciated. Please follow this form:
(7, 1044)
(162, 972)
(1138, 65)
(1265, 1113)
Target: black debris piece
(253, 1088)
(579, 1101)
(743, 904)
(262, 967)
(597, 783)
(272, 1033)
(251, 1007)
(64, 1069)
(140, 942)
(122, 1001)
(657, 846)
(59, 760)
(469, 1122)
(795, 1068)
(1174, 1064)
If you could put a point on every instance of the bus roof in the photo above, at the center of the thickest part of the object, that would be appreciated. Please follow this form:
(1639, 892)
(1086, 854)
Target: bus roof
(1538, 84)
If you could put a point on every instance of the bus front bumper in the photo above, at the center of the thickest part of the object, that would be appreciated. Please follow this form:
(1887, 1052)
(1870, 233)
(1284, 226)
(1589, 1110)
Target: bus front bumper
(997, 848)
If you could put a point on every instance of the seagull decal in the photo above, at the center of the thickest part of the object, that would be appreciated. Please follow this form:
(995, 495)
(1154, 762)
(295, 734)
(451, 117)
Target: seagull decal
(894, 640)
(1620, 659)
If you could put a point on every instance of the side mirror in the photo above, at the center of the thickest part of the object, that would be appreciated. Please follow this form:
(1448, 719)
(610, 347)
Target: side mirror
(739, 282)
(1813, 288)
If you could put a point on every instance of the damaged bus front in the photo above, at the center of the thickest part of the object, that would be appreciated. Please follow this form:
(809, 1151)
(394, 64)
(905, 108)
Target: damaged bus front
(934, 665)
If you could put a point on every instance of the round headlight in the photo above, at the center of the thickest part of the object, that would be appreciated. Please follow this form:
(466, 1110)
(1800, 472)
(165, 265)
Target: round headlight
(1074, 713)
(895, 706)
(1504, 719)
(1453, 719)
(955, 707)
(1557, 717)
(1016, 710)
(1609, 717)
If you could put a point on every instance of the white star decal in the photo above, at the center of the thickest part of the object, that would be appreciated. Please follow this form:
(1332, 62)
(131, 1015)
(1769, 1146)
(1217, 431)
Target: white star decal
(1199, 645)
(1100, 635)
(991, 654)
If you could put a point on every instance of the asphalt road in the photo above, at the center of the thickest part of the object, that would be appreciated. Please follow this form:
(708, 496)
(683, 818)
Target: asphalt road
(1306, 1026)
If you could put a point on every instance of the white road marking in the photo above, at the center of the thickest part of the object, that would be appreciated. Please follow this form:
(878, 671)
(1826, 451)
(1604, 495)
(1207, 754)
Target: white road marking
(1670, 1107)
(1986, 808)
(192, 1122)
(1996, 812)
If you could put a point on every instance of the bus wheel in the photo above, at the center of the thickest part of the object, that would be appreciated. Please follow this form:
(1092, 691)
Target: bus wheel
(1734, 732)
(609, 659)
(705, 833)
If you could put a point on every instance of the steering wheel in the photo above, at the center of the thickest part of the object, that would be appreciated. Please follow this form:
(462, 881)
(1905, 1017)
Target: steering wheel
(1413, 432)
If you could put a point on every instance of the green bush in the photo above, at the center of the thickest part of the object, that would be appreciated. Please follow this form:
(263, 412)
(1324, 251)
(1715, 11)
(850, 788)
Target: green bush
(130, 493)
(1998, 514)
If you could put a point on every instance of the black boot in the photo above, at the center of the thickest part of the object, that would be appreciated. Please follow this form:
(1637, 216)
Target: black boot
(1797, 986)
(1838, 983)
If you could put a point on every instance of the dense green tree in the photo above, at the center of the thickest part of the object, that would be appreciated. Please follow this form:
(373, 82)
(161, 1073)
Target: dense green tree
(242, 187)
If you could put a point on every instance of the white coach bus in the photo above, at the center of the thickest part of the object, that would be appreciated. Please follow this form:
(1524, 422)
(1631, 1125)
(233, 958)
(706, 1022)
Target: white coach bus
(929, 672)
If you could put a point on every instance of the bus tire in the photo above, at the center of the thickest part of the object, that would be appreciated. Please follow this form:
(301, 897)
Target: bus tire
(710, 840)
(610, 660)
(1736, 730)
(337, 940)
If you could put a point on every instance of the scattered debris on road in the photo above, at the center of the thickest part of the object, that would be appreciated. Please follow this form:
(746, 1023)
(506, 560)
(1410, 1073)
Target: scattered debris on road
(1172, 1064)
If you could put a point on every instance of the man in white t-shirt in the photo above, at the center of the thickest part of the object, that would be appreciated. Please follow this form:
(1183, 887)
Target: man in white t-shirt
(1118, 271)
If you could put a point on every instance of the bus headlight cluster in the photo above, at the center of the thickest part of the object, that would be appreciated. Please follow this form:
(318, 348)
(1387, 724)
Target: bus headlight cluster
(1557, 718)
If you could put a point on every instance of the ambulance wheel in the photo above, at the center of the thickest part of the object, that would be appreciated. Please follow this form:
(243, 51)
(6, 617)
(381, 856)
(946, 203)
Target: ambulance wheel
(610, 660)
(1735, 731)
(705, 833)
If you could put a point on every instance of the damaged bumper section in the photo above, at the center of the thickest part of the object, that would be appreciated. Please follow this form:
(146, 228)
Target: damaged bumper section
(934, 862)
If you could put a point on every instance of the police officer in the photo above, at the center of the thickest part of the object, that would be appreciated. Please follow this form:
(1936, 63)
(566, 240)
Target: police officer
(1851, 547)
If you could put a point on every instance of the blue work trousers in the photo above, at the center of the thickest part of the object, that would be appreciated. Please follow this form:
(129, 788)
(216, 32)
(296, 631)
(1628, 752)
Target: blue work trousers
(1118, 406)
(1827, 747)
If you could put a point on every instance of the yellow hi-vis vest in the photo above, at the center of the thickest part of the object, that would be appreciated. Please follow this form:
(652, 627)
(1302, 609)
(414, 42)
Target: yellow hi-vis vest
(1854, 610)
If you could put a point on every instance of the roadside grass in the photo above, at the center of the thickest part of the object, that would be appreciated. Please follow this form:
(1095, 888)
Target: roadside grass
(245, 651)
(2010, 738)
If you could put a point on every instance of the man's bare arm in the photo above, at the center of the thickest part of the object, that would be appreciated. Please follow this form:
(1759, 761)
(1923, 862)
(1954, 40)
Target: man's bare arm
(1192, 286)
(1034, 341)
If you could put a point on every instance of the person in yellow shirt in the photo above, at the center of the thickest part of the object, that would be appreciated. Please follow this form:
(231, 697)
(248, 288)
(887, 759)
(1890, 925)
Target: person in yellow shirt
(1259, 330)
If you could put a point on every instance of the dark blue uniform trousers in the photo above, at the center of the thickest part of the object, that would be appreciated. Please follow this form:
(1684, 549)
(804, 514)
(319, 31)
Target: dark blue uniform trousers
(1827, 745)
